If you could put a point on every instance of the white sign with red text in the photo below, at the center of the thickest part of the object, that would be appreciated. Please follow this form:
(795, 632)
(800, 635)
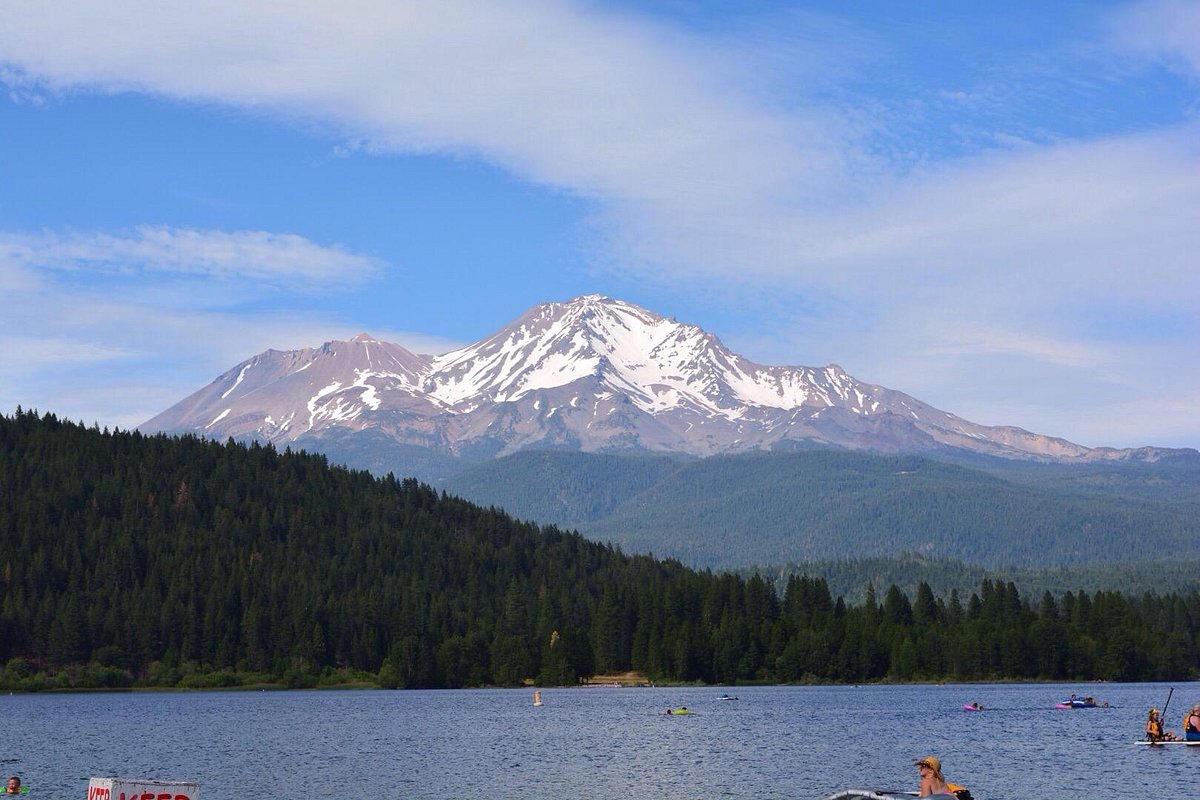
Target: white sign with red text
(137, 789)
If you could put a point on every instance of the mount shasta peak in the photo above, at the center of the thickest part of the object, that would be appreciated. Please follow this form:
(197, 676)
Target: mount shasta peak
(593, 374)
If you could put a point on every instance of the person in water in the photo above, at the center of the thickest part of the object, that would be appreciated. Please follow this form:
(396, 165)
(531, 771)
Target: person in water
(1154, 728)
(1191, 725)
(14, 785)
(932, 782)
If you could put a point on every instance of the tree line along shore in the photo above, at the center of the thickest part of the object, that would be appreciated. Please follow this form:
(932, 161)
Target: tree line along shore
(154, 561)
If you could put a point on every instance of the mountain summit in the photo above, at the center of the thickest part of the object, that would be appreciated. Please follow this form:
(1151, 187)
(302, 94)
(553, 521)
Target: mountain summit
(592, 374)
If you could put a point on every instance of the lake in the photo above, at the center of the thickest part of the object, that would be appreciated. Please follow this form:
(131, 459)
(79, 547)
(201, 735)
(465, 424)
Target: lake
(597, 743)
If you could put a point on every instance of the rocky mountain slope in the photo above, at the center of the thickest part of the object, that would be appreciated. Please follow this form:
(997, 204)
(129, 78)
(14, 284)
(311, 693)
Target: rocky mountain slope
(593, 374)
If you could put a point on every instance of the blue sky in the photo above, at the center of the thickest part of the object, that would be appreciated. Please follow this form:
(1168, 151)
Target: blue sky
(993, 208)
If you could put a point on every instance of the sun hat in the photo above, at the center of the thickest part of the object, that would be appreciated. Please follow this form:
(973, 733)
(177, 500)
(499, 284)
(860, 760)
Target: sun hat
(929, 761)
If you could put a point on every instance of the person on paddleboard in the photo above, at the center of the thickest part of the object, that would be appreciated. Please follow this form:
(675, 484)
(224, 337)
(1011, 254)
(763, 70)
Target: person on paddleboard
(1191, 725)
(1154, 728)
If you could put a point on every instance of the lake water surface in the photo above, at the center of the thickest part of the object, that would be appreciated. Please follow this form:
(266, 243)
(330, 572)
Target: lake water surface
(773, 742)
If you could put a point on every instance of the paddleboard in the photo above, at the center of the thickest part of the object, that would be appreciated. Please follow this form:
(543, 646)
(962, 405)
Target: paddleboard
(1156, 744)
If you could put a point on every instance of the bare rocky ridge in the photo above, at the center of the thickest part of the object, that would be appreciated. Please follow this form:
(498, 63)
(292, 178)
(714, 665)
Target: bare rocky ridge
(592, 374)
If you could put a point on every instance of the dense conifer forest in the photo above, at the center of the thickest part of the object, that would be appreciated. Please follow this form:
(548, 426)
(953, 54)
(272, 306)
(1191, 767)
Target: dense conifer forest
(850, 577)
(131, 560)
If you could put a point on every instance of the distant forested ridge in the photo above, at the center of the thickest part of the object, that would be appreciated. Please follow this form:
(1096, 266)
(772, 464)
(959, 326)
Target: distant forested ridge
(146, 560)
(734, 511)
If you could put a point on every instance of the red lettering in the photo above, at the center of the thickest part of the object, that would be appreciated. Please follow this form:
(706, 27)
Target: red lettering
(148, 796)
(164, 796)
(182, 797)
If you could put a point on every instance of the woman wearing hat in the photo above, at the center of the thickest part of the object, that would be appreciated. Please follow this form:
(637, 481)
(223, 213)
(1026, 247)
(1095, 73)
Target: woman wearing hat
(932, 782)
(1191, 725)
(1154, 728)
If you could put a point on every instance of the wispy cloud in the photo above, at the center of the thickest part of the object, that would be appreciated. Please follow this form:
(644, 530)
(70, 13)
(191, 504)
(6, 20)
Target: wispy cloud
(113, 308)
(692, 171)
(1165, 31)
(258, 256)
(613, 109)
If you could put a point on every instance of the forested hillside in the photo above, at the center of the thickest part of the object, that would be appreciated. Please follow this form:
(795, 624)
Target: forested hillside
(730, 512)
(135, 560)
(566, 488)
(1172, 480)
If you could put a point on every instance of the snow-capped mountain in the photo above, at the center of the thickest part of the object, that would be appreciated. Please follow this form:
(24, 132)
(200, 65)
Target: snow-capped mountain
(593, 374)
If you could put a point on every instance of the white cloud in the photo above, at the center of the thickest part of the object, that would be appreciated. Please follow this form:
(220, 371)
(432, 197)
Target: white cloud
(604, 107)
(695, 174)
(90, 316)
(259, 256)
(1076, 219)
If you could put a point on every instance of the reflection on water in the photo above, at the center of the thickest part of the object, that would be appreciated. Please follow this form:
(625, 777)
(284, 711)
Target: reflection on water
(774, 742)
